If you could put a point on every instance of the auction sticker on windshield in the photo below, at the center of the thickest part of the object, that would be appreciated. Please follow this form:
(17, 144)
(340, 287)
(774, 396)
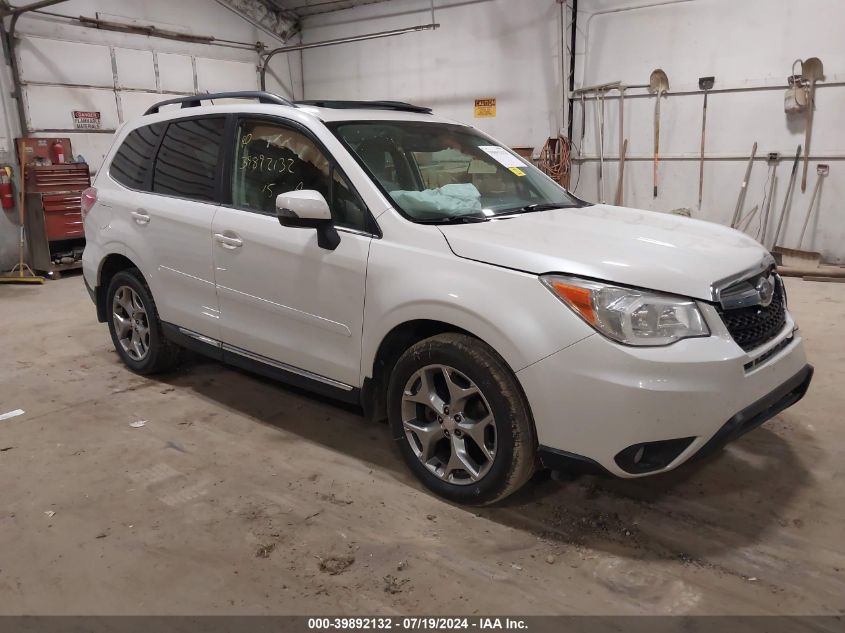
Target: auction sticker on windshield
(501, 156)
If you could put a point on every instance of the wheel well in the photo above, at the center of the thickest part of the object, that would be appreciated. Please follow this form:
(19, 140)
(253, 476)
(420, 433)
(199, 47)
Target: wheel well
(111, 265)
(399, 339)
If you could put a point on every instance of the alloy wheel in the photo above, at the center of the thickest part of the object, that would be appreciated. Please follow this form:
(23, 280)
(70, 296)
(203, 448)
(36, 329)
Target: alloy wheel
(131, 323)
(449, 424)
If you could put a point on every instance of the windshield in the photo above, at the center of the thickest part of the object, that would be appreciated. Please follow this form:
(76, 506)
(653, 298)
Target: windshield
(439, 172)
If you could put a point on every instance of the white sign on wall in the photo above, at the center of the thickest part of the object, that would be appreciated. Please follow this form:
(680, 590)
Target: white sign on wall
(86, 120)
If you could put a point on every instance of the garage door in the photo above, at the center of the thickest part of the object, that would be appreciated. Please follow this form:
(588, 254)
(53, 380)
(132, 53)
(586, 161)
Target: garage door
(61, 78)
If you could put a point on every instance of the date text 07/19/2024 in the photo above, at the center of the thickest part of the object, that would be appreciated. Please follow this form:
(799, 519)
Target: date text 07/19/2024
(417, 623)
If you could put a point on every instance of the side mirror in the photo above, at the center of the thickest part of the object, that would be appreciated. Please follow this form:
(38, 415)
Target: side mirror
(308, 209)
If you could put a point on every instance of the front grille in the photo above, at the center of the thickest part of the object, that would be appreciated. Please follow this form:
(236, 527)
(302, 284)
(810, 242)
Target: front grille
(755, 325)
(771, 352)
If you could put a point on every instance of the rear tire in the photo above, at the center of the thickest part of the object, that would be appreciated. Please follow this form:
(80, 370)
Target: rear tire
(460, 420)
(135, 327)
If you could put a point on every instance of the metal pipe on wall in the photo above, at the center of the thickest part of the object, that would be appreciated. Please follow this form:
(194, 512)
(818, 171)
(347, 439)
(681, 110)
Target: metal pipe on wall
(29, 7)
(573, 31)
(650, 5)
(149, 31)
(564, 92)
(571, 108)
(712, 91)
(335, 42)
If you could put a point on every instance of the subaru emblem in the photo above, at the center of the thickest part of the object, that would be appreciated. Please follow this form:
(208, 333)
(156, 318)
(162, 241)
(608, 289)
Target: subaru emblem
(766, 290)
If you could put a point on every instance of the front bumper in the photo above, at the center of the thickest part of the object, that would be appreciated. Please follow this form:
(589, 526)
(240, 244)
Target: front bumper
(596, 403)
(764, 409)
(746, 420)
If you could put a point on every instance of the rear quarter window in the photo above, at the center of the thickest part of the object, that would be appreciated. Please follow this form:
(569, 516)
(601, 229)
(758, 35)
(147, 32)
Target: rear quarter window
(187, 165)
(133, 161)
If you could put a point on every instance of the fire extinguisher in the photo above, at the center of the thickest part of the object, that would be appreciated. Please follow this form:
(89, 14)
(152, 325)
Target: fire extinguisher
(7, 199)
(58, 153)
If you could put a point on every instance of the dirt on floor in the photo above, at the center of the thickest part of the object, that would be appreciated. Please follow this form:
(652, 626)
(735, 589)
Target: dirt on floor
(239, 495)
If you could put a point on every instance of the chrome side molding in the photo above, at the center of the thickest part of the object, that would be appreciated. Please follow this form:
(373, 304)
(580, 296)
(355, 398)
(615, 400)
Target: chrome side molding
(200, 337)
(265, 361)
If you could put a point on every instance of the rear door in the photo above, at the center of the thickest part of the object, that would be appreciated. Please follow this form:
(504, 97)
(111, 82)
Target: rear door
(166, 221)
(282, 297)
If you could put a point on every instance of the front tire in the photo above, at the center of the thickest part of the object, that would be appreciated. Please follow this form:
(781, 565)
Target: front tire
(460, 419)
(135, 327)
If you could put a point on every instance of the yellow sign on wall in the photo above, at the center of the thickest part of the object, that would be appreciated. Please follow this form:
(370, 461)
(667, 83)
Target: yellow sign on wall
(485, 108)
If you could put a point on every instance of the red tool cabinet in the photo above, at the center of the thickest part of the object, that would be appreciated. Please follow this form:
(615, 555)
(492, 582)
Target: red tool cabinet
(62, 216)
(57, 190)
(53, 213)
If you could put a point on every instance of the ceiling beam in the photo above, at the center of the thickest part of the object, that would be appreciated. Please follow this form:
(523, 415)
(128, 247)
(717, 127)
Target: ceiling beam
(312, 7)
(262, 15)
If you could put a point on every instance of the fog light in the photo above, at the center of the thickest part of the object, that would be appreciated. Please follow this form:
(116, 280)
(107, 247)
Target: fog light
(638, 456)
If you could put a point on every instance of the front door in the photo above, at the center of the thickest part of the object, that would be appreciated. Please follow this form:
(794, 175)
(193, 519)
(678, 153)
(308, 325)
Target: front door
(281, 296)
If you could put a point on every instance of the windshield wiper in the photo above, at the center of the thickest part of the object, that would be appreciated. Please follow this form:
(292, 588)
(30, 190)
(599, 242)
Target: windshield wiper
(455, 219)
(532, 208)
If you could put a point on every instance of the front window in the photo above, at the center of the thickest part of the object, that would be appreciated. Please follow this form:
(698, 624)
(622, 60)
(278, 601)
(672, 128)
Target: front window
(440, 172)
(273, 158)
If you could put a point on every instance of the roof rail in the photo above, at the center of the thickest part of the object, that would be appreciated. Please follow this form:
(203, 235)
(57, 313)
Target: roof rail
(365, 105)
(195, 101)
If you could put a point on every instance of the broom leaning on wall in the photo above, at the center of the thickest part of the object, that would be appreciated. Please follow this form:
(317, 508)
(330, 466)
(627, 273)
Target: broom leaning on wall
(21, 273)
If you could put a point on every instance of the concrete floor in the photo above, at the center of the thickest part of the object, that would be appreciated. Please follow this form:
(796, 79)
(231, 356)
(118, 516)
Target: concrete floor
(240, 495)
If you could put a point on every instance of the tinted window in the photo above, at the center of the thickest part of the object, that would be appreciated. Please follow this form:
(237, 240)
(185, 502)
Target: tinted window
(186, 165)
(131, 163)
(273, 159)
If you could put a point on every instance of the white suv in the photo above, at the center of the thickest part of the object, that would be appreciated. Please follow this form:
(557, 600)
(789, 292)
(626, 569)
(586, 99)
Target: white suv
(384, 256)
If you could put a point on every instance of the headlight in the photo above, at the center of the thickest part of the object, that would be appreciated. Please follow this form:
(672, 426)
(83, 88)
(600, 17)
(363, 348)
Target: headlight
(627, 315)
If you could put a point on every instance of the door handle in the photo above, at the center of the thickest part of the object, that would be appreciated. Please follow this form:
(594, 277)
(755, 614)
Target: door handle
(140, 216)
(228, 242)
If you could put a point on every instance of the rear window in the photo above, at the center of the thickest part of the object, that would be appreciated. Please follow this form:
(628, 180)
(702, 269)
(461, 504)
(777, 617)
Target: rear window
(132, 162)
(188, 162)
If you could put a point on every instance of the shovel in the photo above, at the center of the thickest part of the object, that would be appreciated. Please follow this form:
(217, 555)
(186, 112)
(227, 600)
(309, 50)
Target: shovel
(767, 198)
(620, 184)
(745, 221)
(811, 70)
(821, 171)
(787, 196)
(744, 187)
(705, 84)
(658, 83)
(795, 257)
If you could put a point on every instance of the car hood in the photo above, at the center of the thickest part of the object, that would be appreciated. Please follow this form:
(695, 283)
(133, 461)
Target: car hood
(658, 251)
